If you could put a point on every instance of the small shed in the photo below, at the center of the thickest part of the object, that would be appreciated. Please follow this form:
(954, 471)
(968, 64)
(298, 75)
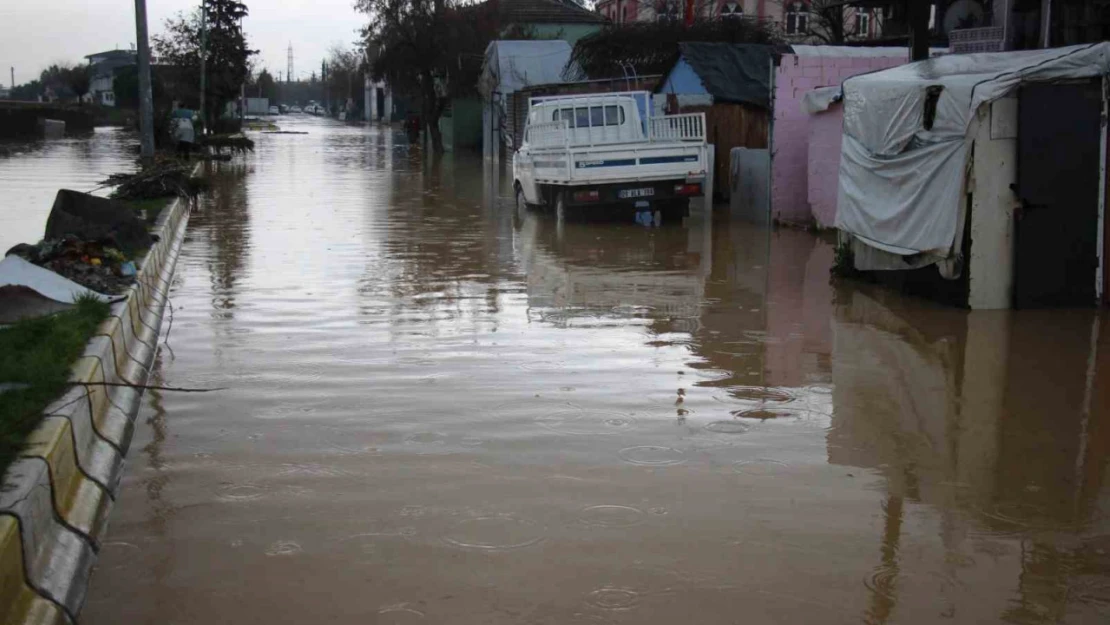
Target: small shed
(508, 67)
(731, 84)
(980, 178)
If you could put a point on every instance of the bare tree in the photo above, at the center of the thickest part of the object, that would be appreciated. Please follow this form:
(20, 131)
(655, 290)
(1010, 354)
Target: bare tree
(675, 10)
(430, 50)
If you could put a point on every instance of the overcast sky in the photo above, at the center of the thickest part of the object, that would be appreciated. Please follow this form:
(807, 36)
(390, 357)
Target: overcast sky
(35, 34)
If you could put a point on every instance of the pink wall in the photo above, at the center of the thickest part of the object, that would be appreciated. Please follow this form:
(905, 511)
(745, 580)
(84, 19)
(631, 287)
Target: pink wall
(790, 152)
(825, 133)
(799, 309)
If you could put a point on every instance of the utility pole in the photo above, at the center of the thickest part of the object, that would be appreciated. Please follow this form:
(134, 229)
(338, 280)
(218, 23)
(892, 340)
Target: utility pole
(146, 99)
(13, 78)
(203, 65)
(919, 29)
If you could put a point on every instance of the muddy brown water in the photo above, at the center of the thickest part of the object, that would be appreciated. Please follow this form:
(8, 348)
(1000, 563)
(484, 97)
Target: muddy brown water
(31, 172)
(439, 411)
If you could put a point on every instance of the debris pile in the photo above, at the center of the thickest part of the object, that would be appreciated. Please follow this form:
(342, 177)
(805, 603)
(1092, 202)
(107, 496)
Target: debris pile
(164, 178)
(98, 265)
(90, 240)
(234, 144)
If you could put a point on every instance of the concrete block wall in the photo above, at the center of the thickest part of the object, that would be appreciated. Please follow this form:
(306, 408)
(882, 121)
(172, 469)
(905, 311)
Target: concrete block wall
(795, 76)
(826, 130)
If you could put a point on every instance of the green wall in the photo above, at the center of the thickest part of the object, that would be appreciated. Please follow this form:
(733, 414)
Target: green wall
(462, 129)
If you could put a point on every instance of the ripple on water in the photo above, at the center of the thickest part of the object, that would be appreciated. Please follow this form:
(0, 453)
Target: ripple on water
(759, 467)
(728, 427)
(765, 414)
(344, 442)
(533, 408)
(544, 365)
(614, 598)
(311, 469)
(760, 393)
(883, 580)
(240, 492)
(398, 615)
(283, 548)
(611, 516)
(586, 422)
(652, 455)
(495, 533)
(426, 438)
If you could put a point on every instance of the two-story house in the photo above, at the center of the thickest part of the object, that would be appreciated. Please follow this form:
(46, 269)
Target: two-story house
(799, 21)
(104, 66)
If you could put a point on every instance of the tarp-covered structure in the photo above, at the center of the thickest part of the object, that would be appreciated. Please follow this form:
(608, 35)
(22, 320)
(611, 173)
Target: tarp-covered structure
(907, 143)
(512, 65)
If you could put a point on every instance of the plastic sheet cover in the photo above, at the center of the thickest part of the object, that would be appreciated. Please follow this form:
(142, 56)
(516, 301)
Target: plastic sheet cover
(513, 65)
(901, 184)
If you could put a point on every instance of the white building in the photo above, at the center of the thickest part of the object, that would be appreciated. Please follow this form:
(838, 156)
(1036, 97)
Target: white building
(104, 66)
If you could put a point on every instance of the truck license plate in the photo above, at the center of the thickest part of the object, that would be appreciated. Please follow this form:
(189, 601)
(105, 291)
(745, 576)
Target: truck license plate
(625, 194)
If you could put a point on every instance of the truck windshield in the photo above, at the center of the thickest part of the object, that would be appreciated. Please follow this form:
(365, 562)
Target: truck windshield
(590, 116)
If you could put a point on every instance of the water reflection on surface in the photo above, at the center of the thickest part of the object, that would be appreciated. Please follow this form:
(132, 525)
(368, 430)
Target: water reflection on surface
(31, 172)
(442, 411)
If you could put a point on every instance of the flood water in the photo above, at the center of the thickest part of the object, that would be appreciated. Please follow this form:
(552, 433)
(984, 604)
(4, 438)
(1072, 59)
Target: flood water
(438, 411)
(31, 172)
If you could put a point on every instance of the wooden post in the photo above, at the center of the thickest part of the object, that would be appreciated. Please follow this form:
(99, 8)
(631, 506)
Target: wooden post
(918, 14)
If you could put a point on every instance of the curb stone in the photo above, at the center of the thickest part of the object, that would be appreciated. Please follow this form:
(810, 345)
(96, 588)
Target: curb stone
(55, 499)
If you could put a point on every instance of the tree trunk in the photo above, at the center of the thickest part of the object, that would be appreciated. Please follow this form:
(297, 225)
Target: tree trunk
(431, 111)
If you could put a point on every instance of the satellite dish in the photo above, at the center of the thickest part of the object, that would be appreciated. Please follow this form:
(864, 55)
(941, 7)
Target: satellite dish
(962, 14)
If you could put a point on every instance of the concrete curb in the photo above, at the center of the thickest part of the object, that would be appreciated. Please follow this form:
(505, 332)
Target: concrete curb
(55, 498)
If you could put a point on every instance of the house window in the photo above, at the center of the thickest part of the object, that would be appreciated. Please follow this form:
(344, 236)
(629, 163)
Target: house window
(732, 10)
(667, 11)
(797, 19)
(863, 22)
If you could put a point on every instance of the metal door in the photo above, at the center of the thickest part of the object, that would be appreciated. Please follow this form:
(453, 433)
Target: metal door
(1056, 230)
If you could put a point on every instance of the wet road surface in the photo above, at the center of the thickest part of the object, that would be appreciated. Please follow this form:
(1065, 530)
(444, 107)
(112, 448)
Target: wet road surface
(439, 411)
(31, 172)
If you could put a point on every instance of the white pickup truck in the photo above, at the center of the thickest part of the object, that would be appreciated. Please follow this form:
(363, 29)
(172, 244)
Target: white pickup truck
(608, 149)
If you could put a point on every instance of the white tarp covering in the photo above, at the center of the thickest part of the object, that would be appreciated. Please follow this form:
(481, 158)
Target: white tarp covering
(900, 184)
(512, 65)
(820, 99)
(15, 271)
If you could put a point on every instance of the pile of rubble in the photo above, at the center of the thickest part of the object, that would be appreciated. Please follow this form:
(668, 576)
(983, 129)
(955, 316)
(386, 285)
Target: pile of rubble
(98, 265)
(90, 240)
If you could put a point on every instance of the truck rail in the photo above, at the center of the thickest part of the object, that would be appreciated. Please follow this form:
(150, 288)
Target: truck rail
(686, 127)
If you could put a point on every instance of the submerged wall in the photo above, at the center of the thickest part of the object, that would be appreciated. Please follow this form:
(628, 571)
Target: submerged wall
(796, 75)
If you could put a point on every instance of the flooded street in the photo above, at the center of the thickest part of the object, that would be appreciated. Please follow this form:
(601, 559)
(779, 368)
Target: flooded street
(439, 411)
(31, 172)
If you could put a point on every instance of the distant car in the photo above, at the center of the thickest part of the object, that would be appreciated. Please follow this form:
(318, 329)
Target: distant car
(295, 109)
(275, 110)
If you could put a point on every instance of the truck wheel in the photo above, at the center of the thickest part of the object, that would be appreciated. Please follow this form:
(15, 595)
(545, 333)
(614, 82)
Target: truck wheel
(560, 207)
(521, 203)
